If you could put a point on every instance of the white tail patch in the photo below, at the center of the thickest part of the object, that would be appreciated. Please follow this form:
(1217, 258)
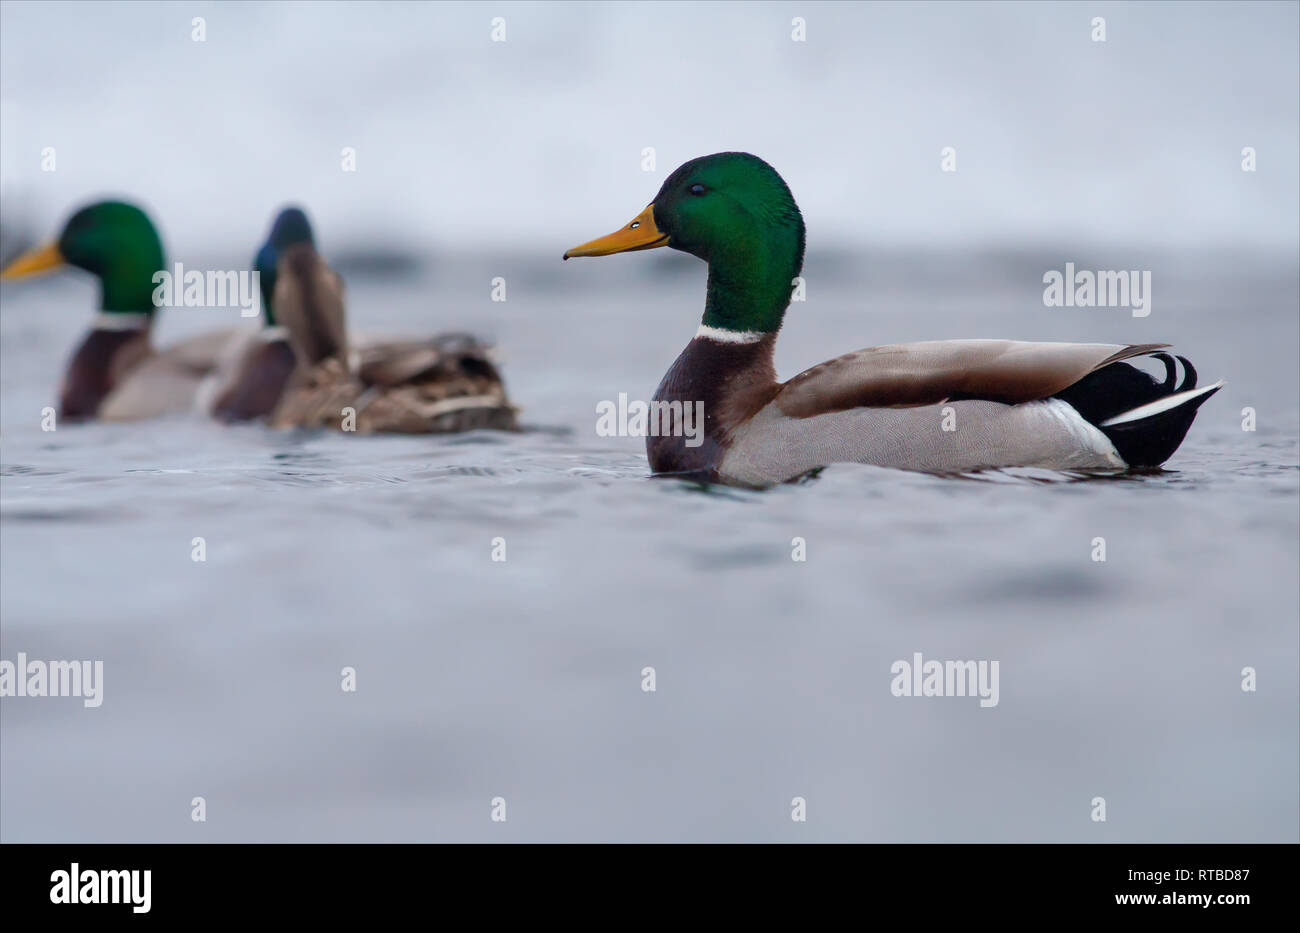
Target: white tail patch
(722, 335)
(1084, 433)
(1167, 403)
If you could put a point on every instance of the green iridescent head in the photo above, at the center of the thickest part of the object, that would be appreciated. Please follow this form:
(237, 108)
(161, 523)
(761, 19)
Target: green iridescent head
(735, 212)
(112, 240)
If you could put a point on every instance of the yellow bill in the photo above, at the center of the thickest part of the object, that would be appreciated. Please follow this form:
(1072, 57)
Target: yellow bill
(34, 262)
(641, 233)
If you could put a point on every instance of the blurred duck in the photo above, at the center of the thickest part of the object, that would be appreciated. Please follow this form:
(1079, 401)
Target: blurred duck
(947, 406)
(258, 379)
(302, 371)
(115, 374)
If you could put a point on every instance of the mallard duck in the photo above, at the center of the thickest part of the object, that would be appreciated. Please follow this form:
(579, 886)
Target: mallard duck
(304, 373)
(950, 406)
(116, 374)
(256, 382)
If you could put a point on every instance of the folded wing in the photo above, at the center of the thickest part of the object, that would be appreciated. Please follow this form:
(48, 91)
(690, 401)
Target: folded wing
(927, 373)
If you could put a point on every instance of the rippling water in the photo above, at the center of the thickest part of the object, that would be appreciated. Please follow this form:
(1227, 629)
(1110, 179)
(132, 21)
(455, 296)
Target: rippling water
(522, 679)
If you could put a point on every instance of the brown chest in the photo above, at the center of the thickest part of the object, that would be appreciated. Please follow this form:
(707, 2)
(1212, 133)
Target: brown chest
(727, 383)
(103, 359)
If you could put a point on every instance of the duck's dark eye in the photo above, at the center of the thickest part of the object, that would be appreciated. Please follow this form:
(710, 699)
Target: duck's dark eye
(698, 190)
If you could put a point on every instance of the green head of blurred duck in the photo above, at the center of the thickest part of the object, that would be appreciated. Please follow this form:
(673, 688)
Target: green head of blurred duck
(736, 213)
(115, 373)
(1008, 403)
(114, 241)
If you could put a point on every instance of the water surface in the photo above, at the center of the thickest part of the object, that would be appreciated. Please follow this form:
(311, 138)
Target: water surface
(522, 679)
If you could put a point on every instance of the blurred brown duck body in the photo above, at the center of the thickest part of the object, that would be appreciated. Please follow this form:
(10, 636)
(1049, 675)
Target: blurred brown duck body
(307, 372)
(443, 385)
(261, 375)
(115, 374)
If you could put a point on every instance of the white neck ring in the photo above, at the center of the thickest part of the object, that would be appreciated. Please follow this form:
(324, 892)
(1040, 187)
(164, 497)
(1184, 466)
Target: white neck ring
(722, 335)
(121, 320)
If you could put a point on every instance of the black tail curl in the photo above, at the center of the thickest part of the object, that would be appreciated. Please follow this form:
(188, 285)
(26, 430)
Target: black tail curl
(1122, 387)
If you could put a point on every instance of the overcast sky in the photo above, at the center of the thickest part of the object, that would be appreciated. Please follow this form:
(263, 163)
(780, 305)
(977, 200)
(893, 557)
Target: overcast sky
(537, 141)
